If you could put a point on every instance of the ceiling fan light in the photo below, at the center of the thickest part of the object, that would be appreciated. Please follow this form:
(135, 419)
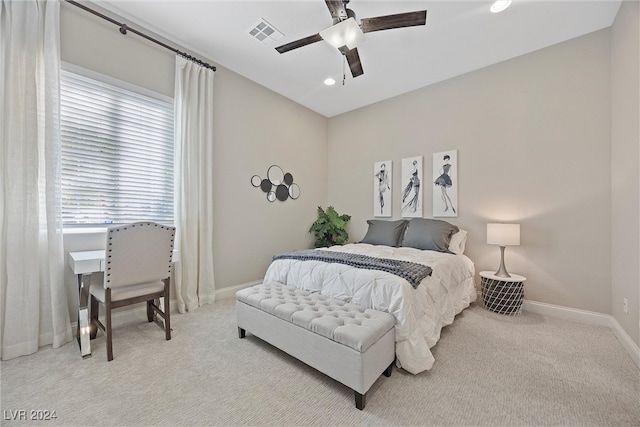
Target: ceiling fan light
(345, 33)
(500, 5)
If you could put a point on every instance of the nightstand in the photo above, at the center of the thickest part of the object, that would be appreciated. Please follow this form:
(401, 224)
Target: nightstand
(502, 295)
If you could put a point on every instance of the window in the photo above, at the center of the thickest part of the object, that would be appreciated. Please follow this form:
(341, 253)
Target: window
(117, 153)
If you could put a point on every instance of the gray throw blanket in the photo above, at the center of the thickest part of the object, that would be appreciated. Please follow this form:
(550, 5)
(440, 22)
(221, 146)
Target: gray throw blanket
(410, 271)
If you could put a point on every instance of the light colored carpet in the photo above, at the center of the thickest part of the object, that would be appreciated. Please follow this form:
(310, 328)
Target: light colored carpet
(490, 370)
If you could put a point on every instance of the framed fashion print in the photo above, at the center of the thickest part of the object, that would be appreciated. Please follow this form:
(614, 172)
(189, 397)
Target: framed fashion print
(411, 187)
(382, 188)
(445, 183)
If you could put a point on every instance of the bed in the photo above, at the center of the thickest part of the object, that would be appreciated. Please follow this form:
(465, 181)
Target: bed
(421, 310)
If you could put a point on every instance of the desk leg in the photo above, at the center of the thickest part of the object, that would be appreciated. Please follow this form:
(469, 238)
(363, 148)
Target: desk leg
(84, 280)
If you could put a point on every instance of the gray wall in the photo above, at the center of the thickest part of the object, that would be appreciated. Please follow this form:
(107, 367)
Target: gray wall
(533, 141)
(549, 139)
(625, 153)
(254, 128)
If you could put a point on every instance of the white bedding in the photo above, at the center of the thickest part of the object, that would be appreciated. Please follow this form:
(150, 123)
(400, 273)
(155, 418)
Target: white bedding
(420, 313)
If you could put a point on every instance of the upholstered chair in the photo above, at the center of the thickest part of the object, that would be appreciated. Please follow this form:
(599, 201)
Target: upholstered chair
(137, 269)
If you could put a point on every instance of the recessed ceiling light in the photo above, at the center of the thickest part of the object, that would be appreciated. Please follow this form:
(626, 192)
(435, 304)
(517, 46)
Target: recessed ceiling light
(500, 5)
(329, 82)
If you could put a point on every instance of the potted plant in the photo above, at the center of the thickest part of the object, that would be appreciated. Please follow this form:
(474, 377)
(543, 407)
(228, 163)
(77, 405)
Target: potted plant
(329, 228)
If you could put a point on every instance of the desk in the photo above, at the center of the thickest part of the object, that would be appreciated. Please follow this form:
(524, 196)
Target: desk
(83, 264)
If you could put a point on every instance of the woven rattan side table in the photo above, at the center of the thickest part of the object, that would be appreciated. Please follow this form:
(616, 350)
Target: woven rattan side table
(502, 295)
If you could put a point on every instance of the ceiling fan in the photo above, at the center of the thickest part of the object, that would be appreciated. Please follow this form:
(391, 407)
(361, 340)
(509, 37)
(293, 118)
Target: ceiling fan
(345, 34)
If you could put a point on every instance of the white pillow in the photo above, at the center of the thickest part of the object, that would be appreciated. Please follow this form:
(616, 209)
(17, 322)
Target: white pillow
(458, 242)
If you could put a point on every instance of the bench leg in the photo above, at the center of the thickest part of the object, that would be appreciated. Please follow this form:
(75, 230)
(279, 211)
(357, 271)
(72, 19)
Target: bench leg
(387, 372)
(361, 400)
(241, 332)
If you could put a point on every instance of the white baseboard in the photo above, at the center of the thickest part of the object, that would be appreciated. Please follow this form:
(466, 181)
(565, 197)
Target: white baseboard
(588, 317)
(230, 292)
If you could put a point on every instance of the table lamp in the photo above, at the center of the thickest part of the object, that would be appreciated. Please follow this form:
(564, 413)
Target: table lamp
(503, 235)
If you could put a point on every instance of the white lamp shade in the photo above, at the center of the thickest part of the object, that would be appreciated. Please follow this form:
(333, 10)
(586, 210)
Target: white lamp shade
(503, 234)
(345, 33)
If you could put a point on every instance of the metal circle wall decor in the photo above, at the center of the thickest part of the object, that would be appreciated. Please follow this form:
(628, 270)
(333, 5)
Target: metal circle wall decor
(277, 185)
(282, 192)
(265, 185)
(275, 175)
(256, 181)
(294, 191)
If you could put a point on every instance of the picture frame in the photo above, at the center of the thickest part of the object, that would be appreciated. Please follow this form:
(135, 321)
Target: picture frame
(382, 188)
(445, 183)
(411, 196)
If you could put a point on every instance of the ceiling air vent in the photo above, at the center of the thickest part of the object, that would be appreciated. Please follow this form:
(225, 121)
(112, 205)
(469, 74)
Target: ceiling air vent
(265, 33)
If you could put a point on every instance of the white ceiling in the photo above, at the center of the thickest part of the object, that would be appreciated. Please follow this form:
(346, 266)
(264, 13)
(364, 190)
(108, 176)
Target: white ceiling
(459, 36)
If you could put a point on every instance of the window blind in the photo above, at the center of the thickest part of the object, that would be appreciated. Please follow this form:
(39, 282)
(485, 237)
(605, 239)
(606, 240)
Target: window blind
(117, 154)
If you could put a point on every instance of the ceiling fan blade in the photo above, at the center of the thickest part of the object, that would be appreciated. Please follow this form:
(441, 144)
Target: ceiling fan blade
(409, 19)
(299, 43)
(337, 10)
(354, 62)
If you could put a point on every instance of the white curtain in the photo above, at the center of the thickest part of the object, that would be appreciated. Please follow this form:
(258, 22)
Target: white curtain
(194, 185)
(33, 304)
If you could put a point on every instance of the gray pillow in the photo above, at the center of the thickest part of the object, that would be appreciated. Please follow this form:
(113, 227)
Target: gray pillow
(429, 234)
(388, 233)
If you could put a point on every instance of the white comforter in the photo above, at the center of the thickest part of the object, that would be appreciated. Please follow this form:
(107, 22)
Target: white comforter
(420, 313)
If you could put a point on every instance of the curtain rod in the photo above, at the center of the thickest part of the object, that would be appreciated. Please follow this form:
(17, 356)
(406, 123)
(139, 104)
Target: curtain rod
(124, 28)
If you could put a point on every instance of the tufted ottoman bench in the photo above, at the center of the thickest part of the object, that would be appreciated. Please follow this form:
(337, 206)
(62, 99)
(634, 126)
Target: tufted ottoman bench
(349, 343)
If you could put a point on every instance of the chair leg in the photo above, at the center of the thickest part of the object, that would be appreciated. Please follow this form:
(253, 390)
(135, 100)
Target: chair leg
(150, 310)
(108, 310)
(93, 326)
(167, 309)
(167, 323)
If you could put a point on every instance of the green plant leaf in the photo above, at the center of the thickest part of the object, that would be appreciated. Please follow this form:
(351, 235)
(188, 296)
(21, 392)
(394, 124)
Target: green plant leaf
(329, 228)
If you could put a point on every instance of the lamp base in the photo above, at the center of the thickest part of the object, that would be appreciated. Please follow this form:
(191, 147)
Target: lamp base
(502, 270)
